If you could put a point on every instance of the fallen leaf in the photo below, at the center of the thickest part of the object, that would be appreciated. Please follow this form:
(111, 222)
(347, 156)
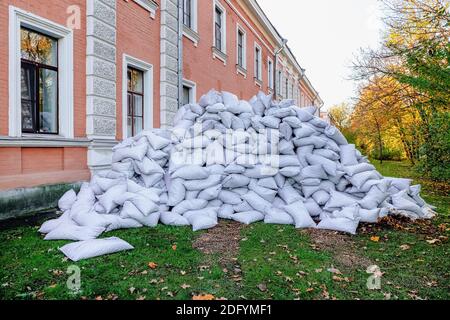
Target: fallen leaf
(98, 298)
(203, 297)
(140, 298)
(182, 272)
(434, 241)
(185, 286)
(334, 270)
(375, 239)
(152, 265)
(132, 289)
(174, 247)
(262, 287)
(405, 247)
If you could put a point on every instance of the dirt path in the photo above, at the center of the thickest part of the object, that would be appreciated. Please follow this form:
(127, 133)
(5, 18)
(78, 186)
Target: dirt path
(341, 246)
(223, 240)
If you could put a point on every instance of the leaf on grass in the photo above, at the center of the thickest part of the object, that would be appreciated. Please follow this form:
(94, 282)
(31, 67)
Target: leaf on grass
(262, 287)
(434, 241)
(375, 238)
(174, 247)
(132, 289)
(203, 297)
(185, 286)
(152, 265)
(404, 247)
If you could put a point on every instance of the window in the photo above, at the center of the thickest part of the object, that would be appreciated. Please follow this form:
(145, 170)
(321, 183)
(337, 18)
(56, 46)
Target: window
(135, 99)
(292, 91)
(241, 48)
(187, 13)
(218, 29)
(189, 92)
(39, 82)
(270, 73)
(186, 95)
(286, 94)
(258, 65)
(280, 78)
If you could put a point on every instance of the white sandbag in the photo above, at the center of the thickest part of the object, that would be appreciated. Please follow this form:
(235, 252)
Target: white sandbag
(271, 122)
(67, 200)
(315, 141)
(229, 197)
(148, 166)
(340, 200)
(177, 192)
(256, 201)
(226, 211)
(290, 171)
(173, 219)
(77, 251)
(268, 182)
(346, 220)
(129, 211)
(293, 122)
(300, 215)
(326, 153)
(52, 224)
(285, 131)
(321, 197)
(315, 171)
(248, 217)
(401, 201)
(333, 133)
(216, 108)
(304, 132)
(210, 193)
(242, 107)
(107, 199)
(74, 232)
(369, 216)
(235, 181)
(358, 168)
(289, 194)
(359, 179)
(348, 155)
(286, 147)
(329, 166)
(312, 207)
(191, 172)
(234, 168)
(277, 216)
(211, 181)
(229, 100)
(117, 223)
(135, 152)
(265, 193)
(188, 205)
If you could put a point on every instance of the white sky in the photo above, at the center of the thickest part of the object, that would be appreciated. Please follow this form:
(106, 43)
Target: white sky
(325, 35)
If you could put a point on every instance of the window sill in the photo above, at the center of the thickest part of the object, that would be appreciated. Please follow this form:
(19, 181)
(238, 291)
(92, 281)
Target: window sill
(191, 35)
(217, 54)
(149, 5)
(258, 82)
(43, 141)
(241, 70)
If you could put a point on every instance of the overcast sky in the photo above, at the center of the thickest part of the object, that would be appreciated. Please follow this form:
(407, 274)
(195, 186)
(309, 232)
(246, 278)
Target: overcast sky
(324, 36)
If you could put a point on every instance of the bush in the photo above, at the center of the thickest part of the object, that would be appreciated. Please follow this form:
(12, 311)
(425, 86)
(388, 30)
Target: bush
(394, 155)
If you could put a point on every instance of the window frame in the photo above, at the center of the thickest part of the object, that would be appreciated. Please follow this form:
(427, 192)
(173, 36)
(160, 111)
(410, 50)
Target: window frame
(241, 30)
(223, 27)
(193, 90)
(37, 66)
(257, 52)
(270, 73)
(189, 25)
(147, 69)
(132, 107)
(19, 18)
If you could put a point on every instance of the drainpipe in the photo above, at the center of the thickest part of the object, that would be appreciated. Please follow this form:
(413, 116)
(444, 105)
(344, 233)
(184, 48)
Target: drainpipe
(283, 45)
(180, 53)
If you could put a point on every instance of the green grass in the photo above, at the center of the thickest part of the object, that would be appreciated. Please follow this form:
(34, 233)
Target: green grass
(276, 262)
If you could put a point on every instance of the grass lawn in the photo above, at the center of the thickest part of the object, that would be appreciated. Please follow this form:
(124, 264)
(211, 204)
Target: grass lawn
(244, 262)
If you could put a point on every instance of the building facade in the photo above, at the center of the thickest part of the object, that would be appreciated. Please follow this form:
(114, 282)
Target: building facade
(80, 75)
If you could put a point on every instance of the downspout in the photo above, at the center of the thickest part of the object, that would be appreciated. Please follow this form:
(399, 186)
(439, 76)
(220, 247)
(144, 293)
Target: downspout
(275, 72)
(180, 53)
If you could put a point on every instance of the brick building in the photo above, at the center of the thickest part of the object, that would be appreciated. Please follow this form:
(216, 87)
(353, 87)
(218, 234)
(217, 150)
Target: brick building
(80, 75)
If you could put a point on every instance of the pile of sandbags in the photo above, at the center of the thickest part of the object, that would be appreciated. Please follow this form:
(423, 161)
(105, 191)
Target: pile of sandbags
(247, 161)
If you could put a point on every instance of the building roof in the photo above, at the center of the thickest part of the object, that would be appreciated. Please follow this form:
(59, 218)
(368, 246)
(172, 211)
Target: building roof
(254, 5)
